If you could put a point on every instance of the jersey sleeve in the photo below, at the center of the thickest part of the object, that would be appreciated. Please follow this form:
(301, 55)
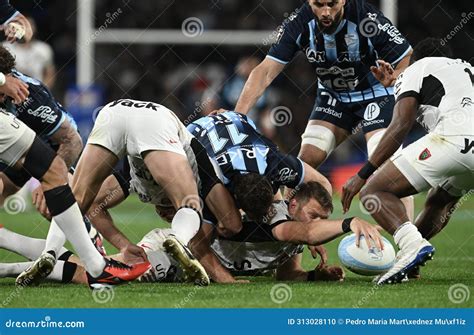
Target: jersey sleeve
(409, 82)
(288, 170)
(388, 42)
(7, 11)
(286, 44)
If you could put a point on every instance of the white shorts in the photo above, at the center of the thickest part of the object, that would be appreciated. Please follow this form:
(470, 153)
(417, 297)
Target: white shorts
(15, 138)
(131, 127)
(437, 160)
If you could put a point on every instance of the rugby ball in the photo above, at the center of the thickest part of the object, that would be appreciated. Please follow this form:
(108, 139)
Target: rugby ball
(364, 260)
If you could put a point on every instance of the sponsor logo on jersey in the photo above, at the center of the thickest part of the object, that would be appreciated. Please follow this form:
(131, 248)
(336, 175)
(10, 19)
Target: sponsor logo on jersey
(468, 145)
(392, 31)
(371, 111)
(424, 155)
(329, 111)
(466, 101)
(335, 70)
(286, 175)
(136, 104)
(315, 56)
(45, 113)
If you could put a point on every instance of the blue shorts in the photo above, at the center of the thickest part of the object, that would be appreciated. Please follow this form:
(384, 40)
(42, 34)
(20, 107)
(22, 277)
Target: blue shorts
(371, 114)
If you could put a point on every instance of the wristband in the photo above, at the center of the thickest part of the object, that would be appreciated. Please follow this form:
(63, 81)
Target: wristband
(367, 170)
(3, 80)
(346, 225)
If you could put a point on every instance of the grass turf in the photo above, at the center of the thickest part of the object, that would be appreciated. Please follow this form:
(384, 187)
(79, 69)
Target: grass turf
(453, 265)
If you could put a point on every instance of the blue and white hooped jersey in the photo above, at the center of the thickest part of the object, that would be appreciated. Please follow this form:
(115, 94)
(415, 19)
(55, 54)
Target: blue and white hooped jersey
(342, 60)
(237, 147)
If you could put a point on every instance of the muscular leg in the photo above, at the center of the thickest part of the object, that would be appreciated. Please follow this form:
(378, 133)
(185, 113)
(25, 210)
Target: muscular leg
(311, 152)
(381, 197)
(94, 166)
(408, 202)
(439, 207)
(173, 172)
(7, 187)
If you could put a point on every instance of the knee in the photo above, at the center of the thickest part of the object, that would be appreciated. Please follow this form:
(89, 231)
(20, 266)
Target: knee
(438, 197)
(56, 174)
(317, 143)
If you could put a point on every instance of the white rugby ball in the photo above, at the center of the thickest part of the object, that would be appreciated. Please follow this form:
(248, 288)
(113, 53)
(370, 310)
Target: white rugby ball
(365, 261)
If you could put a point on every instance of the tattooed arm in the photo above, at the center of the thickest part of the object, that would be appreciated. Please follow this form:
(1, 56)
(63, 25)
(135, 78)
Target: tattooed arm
(70, 143)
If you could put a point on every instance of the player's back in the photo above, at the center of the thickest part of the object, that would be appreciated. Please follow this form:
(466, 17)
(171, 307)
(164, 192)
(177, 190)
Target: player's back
(444, 89)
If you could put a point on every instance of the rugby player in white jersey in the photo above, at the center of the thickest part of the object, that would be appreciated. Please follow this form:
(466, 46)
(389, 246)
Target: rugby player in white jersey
(438, 92)
(161, 156)
(254, 251)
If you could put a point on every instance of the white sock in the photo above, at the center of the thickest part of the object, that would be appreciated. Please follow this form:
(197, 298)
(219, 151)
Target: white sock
(14, 269)
(55, 239)
(406, 234)
(71, 223)
(185, 224)
(25, 246)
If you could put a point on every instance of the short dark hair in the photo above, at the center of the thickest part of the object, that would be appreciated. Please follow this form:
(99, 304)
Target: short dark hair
(430, 47)
(314, 190)
(7, 61)
(253, 193)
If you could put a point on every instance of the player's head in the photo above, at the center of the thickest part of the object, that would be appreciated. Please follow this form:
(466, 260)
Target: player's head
(7, 63)
(310, 201)
(430, 47)
(328, 13)
(253, 193)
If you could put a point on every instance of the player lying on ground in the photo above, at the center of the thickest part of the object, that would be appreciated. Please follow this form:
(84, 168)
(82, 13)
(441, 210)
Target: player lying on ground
(162, 161)
(437, 91)
(47, 118)
(241, 259)
(253, 251)
(21, 149)
(350, 45)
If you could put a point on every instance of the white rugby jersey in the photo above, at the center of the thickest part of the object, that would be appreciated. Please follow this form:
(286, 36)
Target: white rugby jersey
(240, 258)
(445, 93)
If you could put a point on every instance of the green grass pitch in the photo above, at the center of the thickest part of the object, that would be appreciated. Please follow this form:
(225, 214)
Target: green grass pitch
(453, 265)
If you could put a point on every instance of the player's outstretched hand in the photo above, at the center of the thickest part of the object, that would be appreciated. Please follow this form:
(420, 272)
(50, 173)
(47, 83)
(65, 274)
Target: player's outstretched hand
(370, 232)
(384, 73)
(321, 251)
(15, 89)
(133, 254)
(349, 190)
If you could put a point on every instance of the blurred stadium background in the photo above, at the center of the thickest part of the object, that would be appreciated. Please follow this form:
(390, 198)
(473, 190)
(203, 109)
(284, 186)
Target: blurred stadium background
(194, 56)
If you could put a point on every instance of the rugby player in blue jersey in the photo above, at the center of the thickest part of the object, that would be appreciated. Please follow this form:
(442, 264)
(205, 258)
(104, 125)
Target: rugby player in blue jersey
(356, 54)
